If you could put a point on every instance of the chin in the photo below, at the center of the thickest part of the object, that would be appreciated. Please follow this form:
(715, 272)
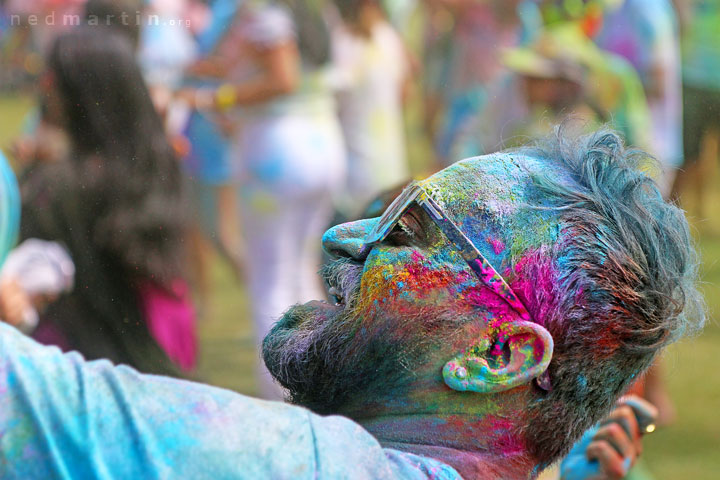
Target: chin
(305, 353)
(294, 338)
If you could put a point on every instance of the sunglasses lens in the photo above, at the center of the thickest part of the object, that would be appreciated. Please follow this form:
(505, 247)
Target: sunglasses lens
(392, 215)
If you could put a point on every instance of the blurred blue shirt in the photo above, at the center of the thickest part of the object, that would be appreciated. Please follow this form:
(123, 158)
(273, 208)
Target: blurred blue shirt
(209, 159)
(63, 417)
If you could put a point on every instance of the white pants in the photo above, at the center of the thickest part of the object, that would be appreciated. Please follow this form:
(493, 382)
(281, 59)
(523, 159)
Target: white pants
(291, 167)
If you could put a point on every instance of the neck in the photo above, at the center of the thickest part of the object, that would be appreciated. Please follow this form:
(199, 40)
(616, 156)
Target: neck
(477, 445)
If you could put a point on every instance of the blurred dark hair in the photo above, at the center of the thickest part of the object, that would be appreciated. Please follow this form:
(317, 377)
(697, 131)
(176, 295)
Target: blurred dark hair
(112, 11)
(119, 203)
(313, 34)
(121, 152)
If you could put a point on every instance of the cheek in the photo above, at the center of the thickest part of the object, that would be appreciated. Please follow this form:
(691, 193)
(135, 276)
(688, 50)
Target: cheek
(406, 281)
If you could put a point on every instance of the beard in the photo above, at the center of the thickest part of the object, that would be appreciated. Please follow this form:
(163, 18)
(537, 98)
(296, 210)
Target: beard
(329, 357)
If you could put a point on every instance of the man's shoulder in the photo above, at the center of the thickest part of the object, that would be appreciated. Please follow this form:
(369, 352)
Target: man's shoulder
(334, 446)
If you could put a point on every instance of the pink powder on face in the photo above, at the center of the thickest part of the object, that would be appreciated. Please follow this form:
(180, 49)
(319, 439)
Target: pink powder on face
(483, 296)
(497, 245)
(535, 285)
(417, 257)
(505, 441)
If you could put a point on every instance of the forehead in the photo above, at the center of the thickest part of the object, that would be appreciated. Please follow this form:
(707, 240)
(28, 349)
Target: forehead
(494, 201)
(487, 182)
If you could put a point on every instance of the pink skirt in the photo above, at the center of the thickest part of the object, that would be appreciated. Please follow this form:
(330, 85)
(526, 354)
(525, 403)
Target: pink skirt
(170, 318)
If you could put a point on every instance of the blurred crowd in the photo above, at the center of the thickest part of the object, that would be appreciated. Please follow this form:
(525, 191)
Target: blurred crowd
(164, 129)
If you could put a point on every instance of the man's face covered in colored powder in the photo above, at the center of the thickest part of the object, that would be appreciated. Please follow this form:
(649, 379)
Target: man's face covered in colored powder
(399, 310)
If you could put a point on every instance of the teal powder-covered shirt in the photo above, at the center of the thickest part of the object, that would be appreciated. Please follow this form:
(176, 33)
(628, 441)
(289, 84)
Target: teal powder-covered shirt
(64, 418)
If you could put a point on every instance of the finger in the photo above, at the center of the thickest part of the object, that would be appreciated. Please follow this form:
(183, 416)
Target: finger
(618, 439)
(623, 422)
(645, 412)
(613, 465)
(626, 418)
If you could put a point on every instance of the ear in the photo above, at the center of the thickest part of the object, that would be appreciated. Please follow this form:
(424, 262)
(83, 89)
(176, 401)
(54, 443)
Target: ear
(518, 353)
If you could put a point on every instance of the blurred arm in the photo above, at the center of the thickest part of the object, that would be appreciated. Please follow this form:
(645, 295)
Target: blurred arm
(62, 417)
(280, 75)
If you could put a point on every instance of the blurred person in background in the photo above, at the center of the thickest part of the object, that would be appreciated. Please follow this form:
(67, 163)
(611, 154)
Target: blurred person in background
(43, 140)
(116, 204)
(374, 69)
(167, 48)
(207, 162)
(463, 47)
(560, 75)
(645, 32)
(289, 151)
(701, 97)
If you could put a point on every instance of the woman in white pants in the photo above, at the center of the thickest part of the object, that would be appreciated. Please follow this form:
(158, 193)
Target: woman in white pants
(291, 169)
(289, 153)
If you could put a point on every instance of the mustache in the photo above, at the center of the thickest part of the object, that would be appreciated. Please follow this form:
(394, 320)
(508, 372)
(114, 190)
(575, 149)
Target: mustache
(345, 276)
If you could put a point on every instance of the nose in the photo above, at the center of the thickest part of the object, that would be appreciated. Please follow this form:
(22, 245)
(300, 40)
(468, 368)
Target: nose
(348, 240)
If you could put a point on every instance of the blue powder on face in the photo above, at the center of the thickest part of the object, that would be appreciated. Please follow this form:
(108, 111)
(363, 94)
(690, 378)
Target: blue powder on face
(582, 385)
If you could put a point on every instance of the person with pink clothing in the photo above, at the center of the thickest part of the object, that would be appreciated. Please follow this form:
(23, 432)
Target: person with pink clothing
(116, 204)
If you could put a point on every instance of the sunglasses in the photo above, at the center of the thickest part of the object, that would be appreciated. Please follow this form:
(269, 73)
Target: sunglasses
(415, 194)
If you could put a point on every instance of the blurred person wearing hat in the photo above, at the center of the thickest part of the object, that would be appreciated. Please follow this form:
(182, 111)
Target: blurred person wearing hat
(562, 74)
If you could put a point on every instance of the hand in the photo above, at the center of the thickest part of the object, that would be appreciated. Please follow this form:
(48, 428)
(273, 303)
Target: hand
(618, 442)
(14, 303)
(20, 309)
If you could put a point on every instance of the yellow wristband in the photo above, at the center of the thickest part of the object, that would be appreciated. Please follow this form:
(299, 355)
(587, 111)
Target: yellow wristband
(225, 97)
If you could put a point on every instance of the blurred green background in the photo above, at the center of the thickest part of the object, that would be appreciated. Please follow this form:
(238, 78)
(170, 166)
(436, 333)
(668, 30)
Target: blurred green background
(690, 448)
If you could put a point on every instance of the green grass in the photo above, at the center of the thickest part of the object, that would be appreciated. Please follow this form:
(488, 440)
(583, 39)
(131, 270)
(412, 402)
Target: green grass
(688, 449)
